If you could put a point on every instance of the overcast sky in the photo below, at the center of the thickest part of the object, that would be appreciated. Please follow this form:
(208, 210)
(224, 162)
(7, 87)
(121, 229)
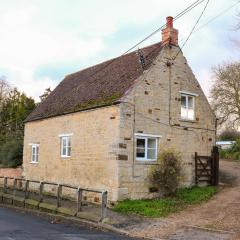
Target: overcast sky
(43, 40)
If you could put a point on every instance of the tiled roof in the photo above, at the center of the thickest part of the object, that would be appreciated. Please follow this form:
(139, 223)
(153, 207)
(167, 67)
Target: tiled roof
(96, 86)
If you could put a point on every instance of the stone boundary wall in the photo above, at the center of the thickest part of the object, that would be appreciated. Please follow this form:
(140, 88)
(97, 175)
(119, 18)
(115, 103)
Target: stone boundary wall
(11, 172)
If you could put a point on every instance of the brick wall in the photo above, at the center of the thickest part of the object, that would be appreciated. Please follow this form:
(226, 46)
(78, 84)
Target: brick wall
(11, 172)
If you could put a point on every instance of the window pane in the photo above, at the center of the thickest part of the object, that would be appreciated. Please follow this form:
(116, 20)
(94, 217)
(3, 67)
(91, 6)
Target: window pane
(69, 151)
(140, 153)
(33, 150)
(184, 113)
(64, 152)
(69, 142)
(140, 143)
(151, 143)
(69, 146)
(190, 114)
(64, 141)
(184, 101)
(151, 154)
(190, 102)
(37, 148)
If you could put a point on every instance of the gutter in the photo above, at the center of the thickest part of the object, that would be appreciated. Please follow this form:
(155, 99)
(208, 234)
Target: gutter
(63, 114)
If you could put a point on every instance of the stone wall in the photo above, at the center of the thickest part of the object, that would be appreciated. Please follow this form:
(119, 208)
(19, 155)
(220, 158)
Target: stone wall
(146, 109)
(103, 141)
(94, 149)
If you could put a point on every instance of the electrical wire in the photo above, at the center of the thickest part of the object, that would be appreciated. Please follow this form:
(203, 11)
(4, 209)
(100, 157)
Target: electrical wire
(179, 15)
(189, 8)
(215, 17)
(191, 32)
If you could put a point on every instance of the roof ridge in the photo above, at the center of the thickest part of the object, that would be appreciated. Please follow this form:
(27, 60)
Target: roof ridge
(97, 85)
(109, 60)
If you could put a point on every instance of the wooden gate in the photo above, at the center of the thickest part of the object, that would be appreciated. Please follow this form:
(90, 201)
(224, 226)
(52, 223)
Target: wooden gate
(207, 168)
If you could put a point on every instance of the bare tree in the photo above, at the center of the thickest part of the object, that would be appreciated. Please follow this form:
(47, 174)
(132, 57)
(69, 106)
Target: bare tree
(45, 94)
(4, 89)
(225, 93)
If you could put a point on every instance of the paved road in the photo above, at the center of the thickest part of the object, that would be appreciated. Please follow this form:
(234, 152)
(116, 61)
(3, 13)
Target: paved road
(21, 226)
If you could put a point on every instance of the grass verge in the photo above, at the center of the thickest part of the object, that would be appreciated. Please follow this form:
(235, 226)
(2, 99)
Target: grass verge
(164, 206)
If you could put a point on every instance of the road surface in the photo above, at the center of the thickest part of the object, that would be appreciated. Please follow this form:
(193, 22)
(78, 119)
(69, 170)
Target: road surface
(16, 225)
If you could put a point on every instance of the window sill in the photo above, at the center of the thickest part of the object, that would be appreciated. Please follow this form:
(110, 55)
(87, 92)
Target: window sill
(146, 162)
(187, 120)
(64, 157)
(33, 162)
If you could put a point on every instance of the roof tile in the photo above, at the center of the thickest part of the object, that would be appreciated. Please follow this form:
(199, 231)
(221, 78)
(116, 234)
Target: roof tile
(96, 86)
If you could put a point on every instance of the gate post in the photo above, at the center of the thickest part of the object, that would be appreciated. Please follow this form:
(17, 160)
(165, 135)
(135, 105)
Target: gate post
(215, 165)
(196, 169)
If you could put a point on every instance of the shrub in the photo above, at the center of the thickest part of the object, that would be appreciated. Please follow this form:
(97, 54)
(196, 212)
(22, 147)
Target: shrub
(229, 135)
(233, 152)
(166, 174)
(11, 153)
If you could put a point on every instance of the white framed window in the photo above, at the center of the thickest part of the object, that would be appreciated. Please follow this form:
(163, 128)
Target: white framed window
(35, 153)
(187, 106)
(65, 145)
(146, 147)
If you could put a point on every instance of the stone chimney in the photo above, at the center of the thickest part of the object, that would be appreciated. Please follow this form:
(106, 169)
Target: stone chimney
(169, 34)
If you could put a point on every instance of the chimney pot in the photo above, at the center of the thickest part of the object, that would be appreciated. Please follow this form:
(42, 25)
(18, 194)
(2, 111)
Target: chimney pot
(169, 34)
(169, 22)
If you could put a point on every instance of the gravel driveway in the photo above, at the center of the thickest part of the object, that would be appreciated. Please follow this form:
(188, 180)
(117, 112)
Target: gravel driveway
(221, 214)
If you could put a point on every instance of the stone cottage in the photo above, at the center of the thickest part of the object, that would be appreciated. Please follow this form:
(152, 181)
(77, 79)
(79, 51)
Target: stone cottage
(103, 126)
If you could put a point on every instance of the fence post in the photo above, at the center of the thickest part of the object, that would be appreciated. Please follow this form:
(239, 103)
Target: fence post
(5, 185)
(79, 199)
(14, 187)
(212, 182)
(41, 192)
(26, 189)
(215, 165)
(104, 206)
(59, 193)
(196, 169)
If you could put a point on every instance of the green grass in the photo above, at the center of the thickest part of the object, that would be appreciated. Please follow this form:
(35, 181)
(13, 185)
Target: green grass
(164, 206)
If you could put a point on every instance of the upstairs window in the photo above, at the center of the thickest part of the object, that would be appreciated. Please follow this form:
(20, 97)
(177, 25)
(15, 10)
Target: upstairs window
(146, 147)
(35, 153)
(187, 107)
(65, 145)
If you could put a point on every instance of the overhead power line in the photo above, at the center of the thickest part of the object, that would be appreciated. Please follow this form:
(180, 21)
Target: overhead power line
(179, 15)
(215, 17)
(186, 10)
(194, 26)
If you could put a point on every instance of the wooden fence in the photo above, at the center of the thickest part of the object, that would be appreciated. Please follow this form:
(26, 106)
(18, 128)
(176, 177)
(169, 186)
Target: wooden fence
(16, 188)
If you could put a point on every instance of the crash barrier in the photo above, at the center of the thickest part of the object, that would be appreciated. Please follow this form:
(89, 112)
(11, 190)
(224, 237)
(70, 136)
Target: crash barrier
(40, 192)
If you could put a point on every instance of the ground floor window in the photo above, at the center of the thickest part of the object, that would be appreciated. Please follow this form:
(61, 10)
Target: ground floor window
(66, 145)
(146, 147)
(35, 153)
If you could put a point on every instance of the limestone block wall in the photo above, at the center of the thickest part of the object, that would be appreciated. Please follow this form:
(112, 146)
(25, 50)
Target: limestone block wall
(94, 149)
(153, 106)
(103, 140)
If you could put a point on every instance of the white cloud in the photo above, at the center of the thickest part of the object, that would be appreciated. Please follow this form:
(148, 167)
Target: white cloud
(41, 32)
